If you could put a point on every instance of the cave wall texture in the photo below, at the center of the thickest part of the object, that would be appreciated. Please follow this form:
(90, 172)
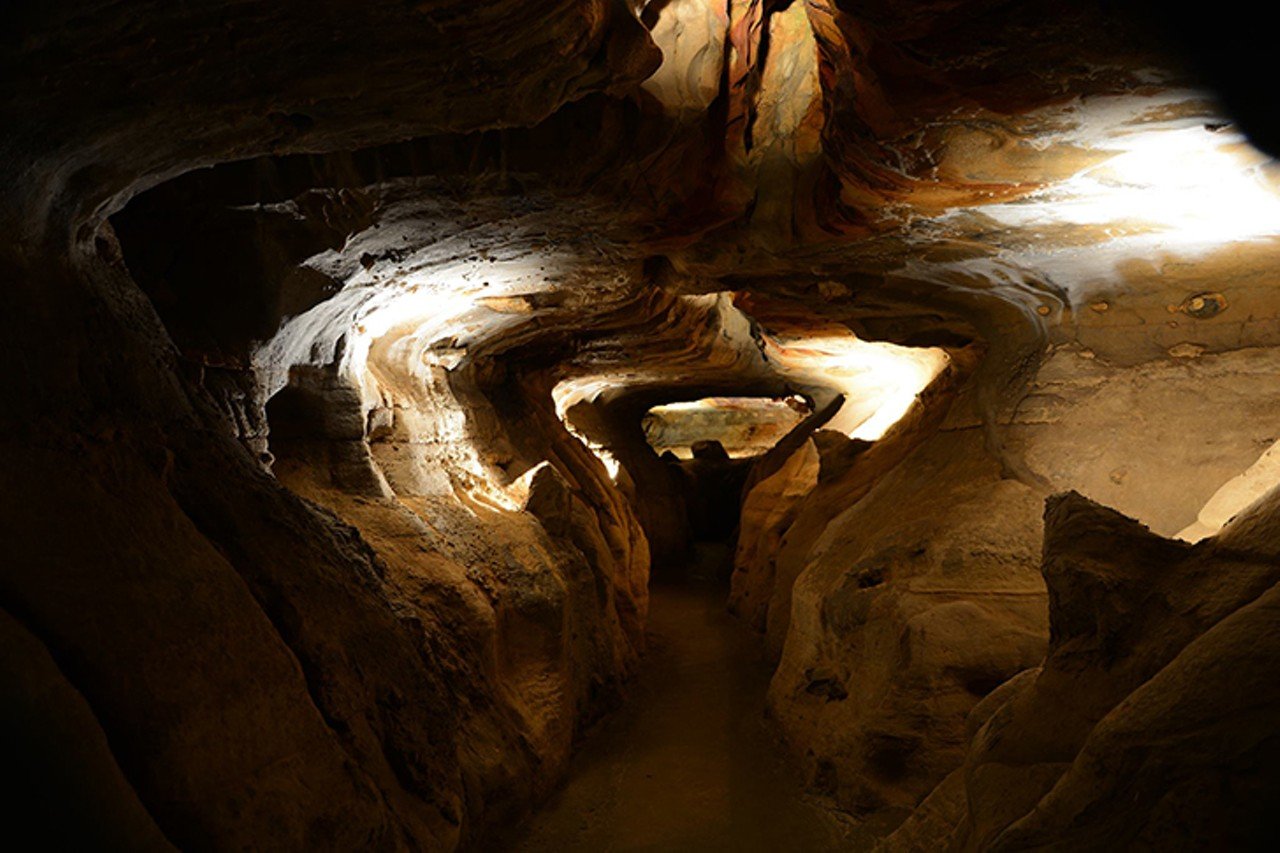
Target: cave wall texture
(327, 510)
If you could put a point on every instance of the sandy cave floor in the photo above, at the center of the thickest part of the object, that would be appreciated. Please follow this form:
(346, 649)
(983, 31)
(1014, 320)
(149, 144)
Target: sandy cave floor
(689, 763)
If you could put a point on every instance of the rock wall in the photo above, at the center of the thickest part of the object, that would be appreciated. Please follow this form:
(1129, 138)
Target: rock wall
(898, 613)
(914, 603)
(232, 657)
(1156, 695)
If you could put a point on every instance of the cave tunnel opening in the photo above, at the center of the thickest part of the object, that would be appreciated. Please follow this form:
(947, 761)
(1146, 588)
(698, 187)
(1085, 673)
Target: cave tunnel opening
(742, 426)
(708, 447)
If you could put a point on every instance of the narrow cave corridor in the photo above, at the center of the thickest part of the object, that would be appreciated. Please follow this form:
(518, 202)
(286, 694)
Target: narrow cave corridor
(689, 763)
(639, 425)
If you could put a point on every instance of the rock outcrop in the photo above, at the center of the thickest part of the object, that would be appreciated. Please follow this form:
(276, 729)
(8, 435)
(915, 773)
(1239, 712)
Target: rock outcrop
(1156, 695)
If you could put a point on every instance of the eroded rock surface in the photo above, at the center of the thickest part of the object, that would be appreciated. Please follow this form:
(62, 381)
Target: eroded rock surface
(916, 603)
(331, 329)
(1155, 691)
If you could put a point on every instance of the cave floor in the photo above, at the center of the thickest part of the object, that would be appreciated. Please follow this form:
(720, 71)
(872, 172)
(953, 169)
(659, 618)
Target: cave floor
(689, 763)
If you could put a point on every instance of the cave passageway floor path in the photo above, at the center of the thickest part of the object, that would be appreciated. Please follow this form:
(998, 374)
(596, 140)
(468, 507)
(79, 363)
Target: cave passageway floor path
(690, 762)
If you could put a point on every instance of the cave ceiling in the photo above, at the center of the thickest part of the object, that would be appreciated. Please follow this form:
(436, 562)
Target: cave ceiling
(641, 198)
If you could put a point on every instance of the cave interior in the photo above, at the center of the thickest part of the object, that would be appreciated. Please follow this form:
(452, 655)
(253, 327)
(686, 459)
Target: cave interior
(644, 425)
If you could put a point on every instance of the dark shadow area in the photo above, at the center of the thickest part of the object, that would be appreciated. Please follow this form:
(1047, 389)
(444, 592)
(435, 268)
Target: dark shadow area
(712, 484)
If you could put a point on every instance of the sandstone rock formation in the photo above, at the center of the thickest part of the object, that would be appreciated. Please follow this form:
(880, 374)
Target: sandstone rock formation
(328, 507)
(1155, 692)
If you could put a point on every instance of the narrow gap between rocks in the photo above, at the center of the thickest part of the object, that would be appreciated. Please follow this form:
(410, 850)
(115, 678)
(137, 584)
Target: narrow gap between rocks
(690, 762)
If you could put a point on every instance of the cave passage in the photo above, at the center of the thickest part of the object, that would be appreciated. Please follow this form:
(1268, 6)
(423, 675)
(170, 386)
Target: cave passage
(690, 763)
(639, 425)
